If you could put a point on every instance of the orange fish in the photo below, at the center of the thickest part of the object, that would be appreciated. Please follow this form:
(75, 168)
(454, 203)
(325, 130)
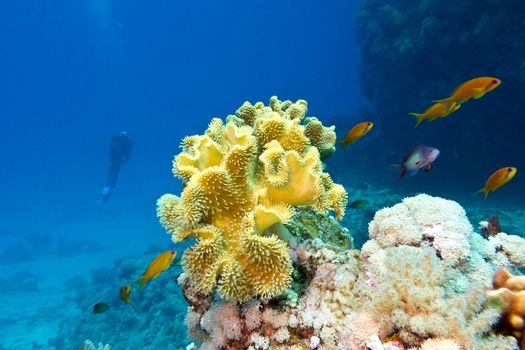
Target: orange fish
(437, 110)
(497, 179)
(125, 291)
(356, 133)
(474, 88)
(159, 264)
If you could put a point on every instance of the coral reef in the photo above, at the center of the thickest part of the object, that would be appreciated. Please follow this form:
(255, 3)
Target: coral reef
(243, 180)
(410, 55)
(153, 321)
(418, 283)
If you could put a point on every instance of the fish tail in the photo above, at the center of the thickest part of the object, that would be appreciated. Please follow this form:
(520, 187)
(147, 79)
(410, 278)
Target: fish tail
(448, 99)
(142, 281)
(485, 191)
(419, 117)
(403, 170)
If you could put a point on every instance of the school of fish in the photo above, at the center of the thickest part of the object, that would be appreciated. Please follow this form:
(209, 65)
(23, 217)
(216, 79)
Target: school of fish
(422, 157)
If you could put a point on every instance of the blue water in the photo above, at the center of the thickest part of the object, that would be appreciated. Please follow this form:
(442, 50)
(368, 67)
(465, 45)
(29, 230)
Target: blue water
(73, 73)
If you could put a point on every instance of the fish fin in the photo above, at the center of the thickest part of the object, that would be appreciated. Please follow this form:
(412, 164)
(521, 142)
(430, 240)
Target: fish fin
(419, 117)
(344, 144)
(485, 191)
(448, 99)
(142, 281)
(412, 172)
(453, 107)
(428, 167)
(479, 93)
(403, 170)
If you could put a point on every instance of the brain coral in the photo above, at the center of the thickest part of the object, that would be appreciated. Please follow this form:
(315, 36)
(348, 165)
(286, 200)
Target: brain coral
(241, 178)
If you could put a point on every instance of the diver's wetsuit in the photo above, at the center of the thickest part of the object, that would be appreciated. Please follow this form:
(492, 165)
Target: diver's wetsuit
(119, 152)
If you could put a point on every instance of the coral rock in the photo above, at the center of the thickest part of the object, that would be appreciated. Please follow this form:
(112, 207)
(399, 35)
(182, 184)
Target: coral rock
(509, 295)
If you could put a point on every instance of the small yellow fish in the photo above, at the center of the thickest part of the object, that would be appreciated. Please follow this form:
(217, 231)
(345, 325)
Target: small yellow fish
(159, 264)
(474, 88)
(497, 179)
(125, 291)
(356, 133)
(437, 110)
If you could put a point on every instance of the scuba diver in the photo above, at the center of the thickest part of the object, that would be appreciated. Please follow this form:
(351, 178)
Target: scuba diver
(120, 149)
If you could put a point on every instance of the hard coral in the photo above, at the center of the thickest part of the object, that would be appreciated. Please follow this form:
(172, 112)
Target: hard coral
(509, 295)
(242, 178)
(442, 221)
(440, 344)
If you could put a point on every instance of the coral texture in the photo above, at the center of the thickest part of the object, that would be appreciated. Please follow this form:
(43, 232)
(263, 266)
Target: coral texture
(421, 292)
(509, 295)
(242, 179)
(89, 345)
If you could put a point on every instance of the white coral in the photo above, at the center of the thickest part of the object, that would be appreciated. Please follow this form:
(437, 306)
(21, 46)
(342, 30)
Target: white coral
(281, 335)
(252, 314)
(440, 344)
(89, 345)
(404, 224)
(512, 246)
(260, 342)
(452, 246)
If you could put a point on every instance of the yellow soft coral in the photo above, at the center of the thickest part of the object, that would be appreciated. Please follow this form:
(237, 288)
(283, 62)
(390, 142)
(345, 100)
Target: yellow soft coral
(242, 179)
(323, 138)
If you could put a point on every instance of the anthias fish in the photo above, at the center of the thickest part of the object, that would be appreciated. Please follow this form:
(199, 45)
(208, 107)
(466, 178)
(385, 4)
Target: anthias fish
(356, 133)
(159, 264)
(125, 292)
(497, 179)
(474, 88)
(421, 157)
(437, 110)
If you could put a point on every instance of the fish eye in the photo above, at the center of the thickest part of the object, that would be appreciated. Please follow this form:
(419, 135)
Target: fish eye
(509, 169)
(495, 81)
